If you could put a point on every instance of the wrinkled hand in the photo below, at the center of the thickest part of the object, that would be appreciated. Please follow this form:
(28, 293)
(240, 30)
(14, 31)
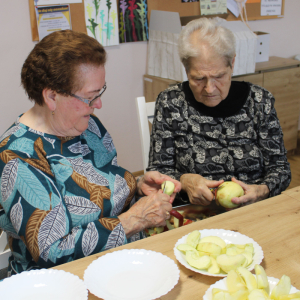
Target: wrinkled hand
(151, 183)
(253, 192)
(149, 211)
(198, 188)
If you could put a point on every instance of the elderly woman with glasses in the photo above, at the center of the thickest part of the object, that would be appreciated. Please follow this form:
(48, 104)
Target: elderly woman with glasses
(210, 129)
(63, 194)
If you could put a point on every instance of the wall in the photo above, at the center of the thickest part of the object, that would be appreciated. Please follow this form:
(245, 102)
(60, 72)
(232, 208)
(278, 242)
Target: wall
(125, 68)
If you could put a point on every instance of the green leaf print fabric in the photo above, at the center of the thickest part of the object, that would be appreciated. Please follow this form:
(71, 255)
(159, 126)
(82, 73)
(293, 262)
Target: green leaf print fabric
(60, 197)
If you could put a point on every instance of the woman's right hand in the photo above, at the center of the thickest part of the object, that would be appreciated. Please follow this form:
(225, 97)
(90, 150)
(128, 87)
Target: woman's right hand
(198, 188)
(149, 211)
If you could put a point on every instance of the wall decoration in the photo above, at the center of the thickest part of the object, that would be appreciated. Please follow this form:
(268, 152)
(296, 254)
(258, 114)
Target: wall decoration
(189, 0)
(133, 22)
(101, 21)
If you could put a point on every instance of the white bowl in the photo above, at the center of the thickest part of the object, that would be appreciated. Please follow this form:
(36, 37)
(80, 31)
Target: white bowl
(221, 284)
(134, 274)
(230, 237)
(43, 284)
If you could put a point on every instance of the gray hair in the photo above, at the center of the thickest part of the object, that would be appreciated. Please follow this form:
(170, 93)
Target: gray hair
(220, 39)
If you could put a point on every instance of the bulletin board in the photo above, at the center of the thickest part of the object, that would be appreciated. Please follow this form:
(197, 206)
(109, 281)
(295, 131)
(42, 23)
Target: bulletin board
(189, 9)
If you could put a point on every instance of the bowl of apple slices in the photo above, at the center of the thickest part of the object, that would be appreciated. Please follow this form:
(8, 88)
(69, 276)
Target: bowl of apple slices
(242, 284)
(215, 252)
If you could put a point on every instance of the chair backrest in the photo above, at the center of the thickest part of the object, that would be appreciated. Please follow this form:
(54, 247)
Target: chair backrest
(4, 252)
(145, 111)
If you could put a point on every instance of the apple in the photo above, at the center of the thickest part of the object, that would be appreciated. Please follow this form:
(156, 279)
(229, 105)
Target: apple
(235, 282)
(214, 268)
(168, 187)
(213, 249)
(294, 296)
(226, 191)
(230, 262)
(193, 238)
(261, 278)
(213, 239)
(248, 277)
(186, 247)
(196, 261)
(258, 294)
(282, 288)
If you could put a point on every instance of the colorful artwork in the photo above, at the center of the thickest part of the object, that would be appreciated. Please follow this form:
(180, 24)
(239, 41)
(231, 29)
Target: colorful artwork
(101, 21)
(133, 22)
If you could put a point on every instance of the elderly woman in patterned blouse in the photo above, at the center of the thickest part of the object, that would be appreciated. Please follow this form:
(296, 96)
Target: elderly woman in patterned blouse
(63, 194)
(210, 129)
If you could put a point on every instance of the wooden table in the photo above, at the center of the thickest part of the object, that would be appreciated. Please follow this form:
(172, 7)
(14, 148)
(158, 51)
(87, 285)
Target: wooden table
(273, 223)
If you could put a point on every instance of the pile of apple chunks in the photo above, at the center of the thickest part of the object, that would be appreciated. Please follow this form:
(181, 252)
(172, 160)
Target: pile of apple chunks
(242, 285)
(211, 253)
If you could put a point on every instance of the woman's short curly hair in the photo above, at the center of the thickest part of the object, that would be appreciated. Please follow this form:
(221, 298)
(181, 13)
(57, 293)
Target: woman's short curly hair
(54, 61)
(207, 32)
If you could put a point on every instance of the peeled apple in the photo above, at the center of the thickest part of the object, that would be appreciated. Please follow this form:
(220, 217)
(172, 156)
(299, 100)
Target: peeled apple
(226, 191)
(168, 187)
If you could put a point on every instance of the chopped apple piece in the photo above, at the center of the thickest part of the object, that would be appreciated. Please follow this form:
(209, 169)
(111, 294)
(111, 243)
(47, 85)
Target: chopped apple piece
(248, 277)
(261, 278)
(240, 295)
(196, 261)
(186, 247)
(249, 259)
(282, 288)
(211, 248)
(193, 238)
(258, 294)
(214, 268)
(213, 239)
(228, 262)
(294, 296)
(235, 282)
(218, 294)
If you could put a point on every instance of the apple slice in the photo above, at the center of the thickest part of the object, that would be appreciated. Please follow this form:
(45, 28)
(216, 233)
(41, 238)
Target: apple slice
(213, 239)
(186, 247)
(235, 282)
(214, 249)
(258, 294)
(193, 238)
(282, 288)
(261, 278)
(196, 261)
(248, 277)
(214, 268)
(294, 296)
(228, 262)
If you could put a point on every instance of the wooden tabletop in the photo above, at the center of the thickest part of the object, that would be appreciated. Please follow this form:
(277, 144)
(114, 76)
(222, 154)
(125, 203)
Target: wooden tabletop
(272, 223)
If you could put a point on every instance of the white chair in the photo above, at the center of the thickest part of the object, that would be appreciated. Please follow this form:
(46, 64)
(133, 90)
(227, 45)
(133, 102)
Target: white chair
(4, 253)
(145, 111)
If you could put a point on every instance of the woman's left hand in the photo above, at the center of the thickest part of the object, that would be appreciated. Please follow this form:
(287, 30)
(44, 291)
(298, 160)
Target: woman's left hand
(253, 193)
(152, 181)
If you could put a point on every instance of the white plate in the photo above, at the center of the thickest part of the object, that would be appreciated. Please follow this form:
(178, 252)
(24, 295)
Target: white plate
(43, 284)
(230, 237)
(221, 284)
(131, 274)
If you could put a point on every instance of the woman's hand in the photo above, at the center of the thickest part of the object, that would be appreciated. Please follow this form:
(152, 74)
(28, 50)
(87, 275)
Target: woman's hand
(149, 211)
(253, 193)
(151, 183)
(198, 188)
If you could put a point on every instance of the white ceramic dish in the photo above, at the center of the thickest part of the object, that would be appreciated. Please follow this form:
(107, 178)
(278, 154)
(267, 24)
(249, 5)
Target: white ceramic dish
(230, 237)
(43, 284)
(134, 274)
(221, 284)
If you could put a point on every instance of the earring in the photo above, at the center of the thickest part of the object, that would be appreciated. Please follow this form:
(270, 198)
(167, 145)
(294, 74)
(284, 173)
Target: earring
(53, 113)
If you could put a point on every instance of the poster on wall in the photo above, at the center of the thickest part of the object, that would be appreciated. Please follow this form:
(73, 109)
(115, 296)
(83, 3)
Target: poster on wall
(133, 21)
(50, 2)
(52, 18)
(268, 8)
(213, 7)
(101, 19)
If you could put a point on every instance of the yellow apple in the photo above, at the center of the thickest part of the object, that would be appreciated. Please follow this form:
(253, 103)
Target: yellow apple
(168, 187)
(196, 261)
(226, 191)
(294, 296)
(258, 294)
(218, 294)
(249, 259)
(282, 288)
(214, 268)
(261, 278)
(248, 277)
(230, 262)
(235, 282)
(193, 238)
(213, 239)
(211, 248)
(186, 247)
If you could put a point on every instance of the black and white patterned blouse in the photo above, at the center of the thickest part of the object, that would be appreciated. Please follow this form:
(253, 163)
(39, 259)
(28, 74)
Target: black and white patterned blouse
(240, 137)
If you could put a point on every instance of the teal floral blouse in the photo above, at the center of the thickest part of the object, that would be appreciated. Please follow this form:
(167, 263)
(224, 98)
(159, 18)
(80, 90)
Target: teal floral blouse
(60, 197)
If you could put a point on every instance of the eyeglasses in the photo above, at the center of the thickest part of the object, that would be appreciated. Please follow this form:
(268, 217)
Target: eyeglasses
(87, 101)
